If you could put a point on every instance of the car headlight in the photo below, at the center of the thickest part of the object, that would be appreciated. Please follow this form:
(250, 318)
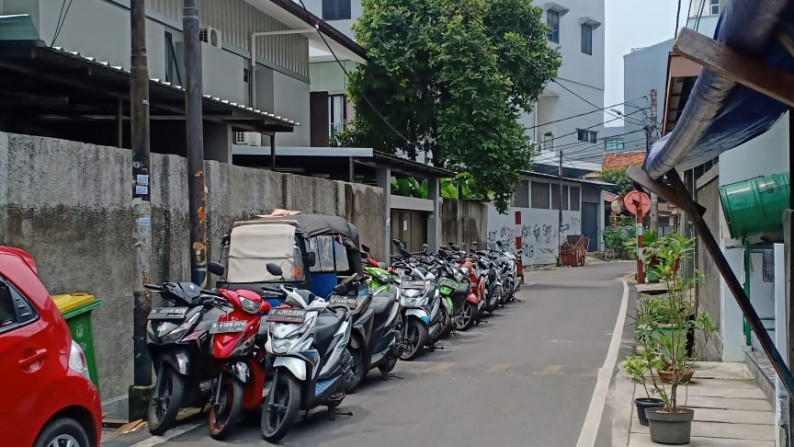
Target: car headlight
(177, 333)
(250, 306)
(77, 360)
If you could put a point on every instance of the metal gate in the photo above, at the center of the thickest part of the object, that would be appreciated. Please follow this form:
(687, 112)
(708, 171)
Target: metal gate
(590, 224)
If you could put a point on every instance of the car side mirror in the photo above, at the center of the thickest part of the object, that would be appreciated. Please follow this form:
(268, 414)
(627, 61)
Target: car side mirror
(275, 270)
(215, 268)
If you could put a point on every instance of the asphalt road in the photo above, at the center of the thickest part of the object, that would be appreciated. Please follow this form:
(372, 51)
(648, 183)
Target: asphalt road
(525, 378)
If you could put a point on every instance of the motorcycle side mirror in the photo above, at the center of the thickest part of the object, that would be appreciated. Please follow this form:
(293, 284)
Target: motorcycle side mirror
(364, 255)
(265, 307)
(275, 270)
(519, 252)
(365, 248)
(310, 259)
(215, 268)
(499, 244)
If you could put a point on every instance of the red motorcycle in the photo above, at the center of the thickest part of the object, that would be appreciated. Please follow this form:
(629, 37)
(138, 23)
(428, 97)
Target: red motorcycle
(475, 301)
(239, 358)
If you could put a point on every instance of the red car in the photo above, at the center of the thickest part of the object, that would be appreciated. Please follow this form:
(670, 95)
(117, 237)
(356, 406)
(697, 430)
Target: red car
(48, 399)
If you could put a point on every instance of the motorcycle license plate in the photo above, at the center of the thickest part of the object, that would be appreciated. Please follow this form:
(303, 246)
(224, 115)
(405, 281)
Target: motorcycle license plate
(227, 327)
(168, 313)
(286, 316)
(419, 285)
(336, 300)
(449, 282)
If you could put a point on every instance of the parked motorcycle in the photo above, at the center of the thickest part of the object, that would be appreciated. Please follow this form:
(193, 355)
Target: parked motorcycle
(240, 361)
(178, 342)
(425, 316)
(312, 366)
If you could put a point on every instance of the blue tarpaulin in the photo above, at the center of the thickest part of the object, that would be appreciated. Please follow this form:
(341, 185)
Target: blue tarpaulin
(722, 114)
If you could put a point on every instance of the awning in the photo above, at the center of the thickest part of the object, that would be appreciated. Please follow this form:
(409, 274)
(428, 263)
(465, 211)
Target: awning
(721, 113)
(61, 83)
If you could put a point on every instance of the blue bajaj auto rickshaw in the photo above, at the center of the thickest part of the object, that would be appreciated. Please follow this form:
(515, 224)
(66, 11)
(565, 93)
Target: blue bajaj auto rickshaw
(334, 245)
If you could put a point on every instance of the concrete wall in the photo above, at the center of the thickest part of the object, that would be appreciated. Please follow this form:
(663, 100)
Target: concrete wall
(643, 70)
(291, 99)
(708, 293)
(68, 204)
(539, 231)
(464, 221)
(767, 154)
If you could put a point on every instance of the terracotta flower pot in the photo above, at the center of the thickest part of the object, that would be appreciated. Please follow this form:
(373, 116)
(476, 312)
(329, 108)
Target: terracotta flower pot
(667, 376)
(671, 428)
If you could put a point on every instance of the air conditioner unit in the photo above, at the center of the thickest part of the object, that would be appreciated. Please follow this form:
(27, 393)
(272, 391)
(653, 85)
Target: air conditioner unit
(211, 36)
(248, 138)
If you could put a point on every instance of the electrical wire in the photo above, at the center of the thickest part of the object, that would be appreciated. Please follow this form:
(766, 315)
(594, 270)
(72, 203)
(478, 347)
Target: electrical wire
(677, 19)
(347, 75)
(588, 128)
(61, 20)
(583, 114)
(590, 102)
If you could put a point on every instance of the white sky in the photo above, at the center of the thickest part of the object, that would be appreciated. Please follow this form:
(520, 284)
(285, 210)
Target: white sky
(635, 24)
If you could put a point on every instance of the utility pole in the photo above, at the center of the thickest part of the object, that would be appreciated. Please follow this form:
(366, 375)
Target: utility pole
(651, 138)
(141, 207)
(195, 144)
(559, 222)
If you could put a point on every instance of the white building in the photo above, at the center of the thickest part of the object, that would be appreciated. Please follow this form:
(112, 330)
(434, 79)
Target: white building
(577, 32)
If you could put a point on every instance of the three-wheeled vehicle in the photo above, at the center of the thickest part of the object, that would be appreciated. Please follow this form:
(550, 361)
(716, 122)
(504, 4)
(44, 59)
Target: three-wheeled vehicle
(315, 252)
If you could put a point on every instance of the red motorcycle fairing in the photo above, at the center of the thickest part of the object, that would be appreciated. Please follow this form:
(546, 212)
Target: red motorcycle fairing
(252, 395)
(472, 298)
(223, 345)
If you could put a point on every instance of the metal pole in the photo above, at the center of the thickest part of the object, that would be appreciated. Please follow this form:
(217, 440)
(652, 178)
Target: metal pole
(195, 144)
(559, 221)
(651, 139)
(640, 266)
(273, 152)
(141, 185)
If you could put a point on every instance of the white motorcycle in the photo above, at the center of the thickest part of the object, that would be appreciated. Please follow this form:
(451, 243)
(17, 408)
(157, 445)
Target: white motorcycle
(312, 364)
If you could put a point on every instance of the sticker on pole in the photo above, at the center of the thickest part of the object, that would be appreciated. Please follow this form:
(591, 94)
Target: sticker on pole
(636, 198)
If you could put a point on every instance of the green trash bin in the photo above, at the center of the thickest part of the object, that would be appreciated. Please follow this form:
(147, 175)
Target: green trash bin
(76, 309)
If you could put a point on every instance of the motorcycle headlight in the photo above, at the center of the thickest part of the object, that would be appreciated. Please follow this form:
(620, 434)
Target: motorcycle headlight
(250, 306)
(280, 346)
(459, 276)
(412, 293)
(419, 301)
(178, 332)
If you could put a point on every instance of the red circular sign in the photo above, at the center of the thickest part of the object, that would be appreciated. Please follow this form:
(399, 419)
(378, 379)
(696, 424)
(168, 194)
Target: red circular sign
(635, 198)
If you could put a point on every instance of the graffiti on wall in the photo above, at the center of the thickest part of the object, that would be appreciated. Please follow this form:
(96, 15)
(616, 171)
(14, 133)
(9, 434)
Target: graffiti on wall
(539, 234)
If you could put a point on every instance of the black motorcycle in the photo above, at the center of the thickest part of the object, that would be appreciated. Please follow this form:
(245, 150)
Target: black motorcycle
(178, 342)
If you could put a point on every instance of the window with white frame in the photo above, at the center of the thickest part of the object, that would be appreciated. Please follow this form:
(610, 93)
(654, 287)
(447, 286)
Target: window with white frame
(548, 141)
(586, 136)
(337, 114)
(553, 22)
(714, 7)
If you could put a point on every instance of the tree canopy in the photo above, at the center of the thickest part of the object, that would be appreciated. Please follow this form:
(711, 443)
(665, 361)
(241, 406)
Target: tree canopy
(623, 183)
(451, 77)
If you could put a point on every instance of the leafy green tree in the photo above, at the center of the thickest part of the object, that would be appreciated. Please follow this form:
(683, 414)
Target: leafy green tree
(452, 77)
(623, 183)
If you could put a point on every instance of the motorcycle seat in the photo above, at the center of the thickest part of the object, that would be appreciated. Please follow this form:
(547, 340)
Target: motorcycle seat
(324, 329)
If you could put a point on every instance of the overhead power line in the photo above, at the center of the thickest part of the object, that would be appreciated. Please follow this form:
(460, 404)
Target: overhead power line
(587, 128)
(583, 114)
(347, 75)
(556, 81)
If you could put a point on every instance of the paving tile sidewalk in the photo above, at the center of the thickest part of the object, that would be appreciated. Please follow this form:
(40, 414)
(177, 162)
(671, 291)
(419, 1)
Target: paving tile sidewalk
(730, 409)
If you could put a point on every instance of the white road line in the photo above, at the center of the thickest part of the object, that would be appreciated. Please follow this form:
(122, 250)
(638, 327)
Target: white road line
(173, 433)
(587, 436)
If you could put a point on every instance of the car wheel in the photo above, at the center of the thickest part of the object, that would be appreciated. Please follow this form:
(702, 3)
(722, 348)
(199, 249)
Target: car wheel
(61, 433)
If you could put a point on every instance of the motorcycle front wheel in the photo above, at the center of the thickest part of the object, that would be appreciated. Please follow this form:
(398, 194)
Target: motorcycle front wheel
(465, 317)
(359, 368)
(414, 339)
(165, 401)
(225, 413)
(281, 408)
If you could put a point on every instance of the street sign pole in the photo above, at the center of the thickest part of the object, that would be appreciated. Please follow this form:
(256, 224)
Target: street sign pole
(640, 266)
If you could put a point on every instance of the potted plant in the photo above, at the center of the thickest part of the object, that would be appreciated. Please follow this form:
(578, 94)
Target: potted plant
(637, 366)
(672, 424)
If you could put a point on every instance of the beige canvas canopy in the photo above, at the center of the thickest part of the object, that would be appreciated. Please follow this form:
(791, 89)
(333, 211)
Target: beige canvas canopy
(254, 244)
